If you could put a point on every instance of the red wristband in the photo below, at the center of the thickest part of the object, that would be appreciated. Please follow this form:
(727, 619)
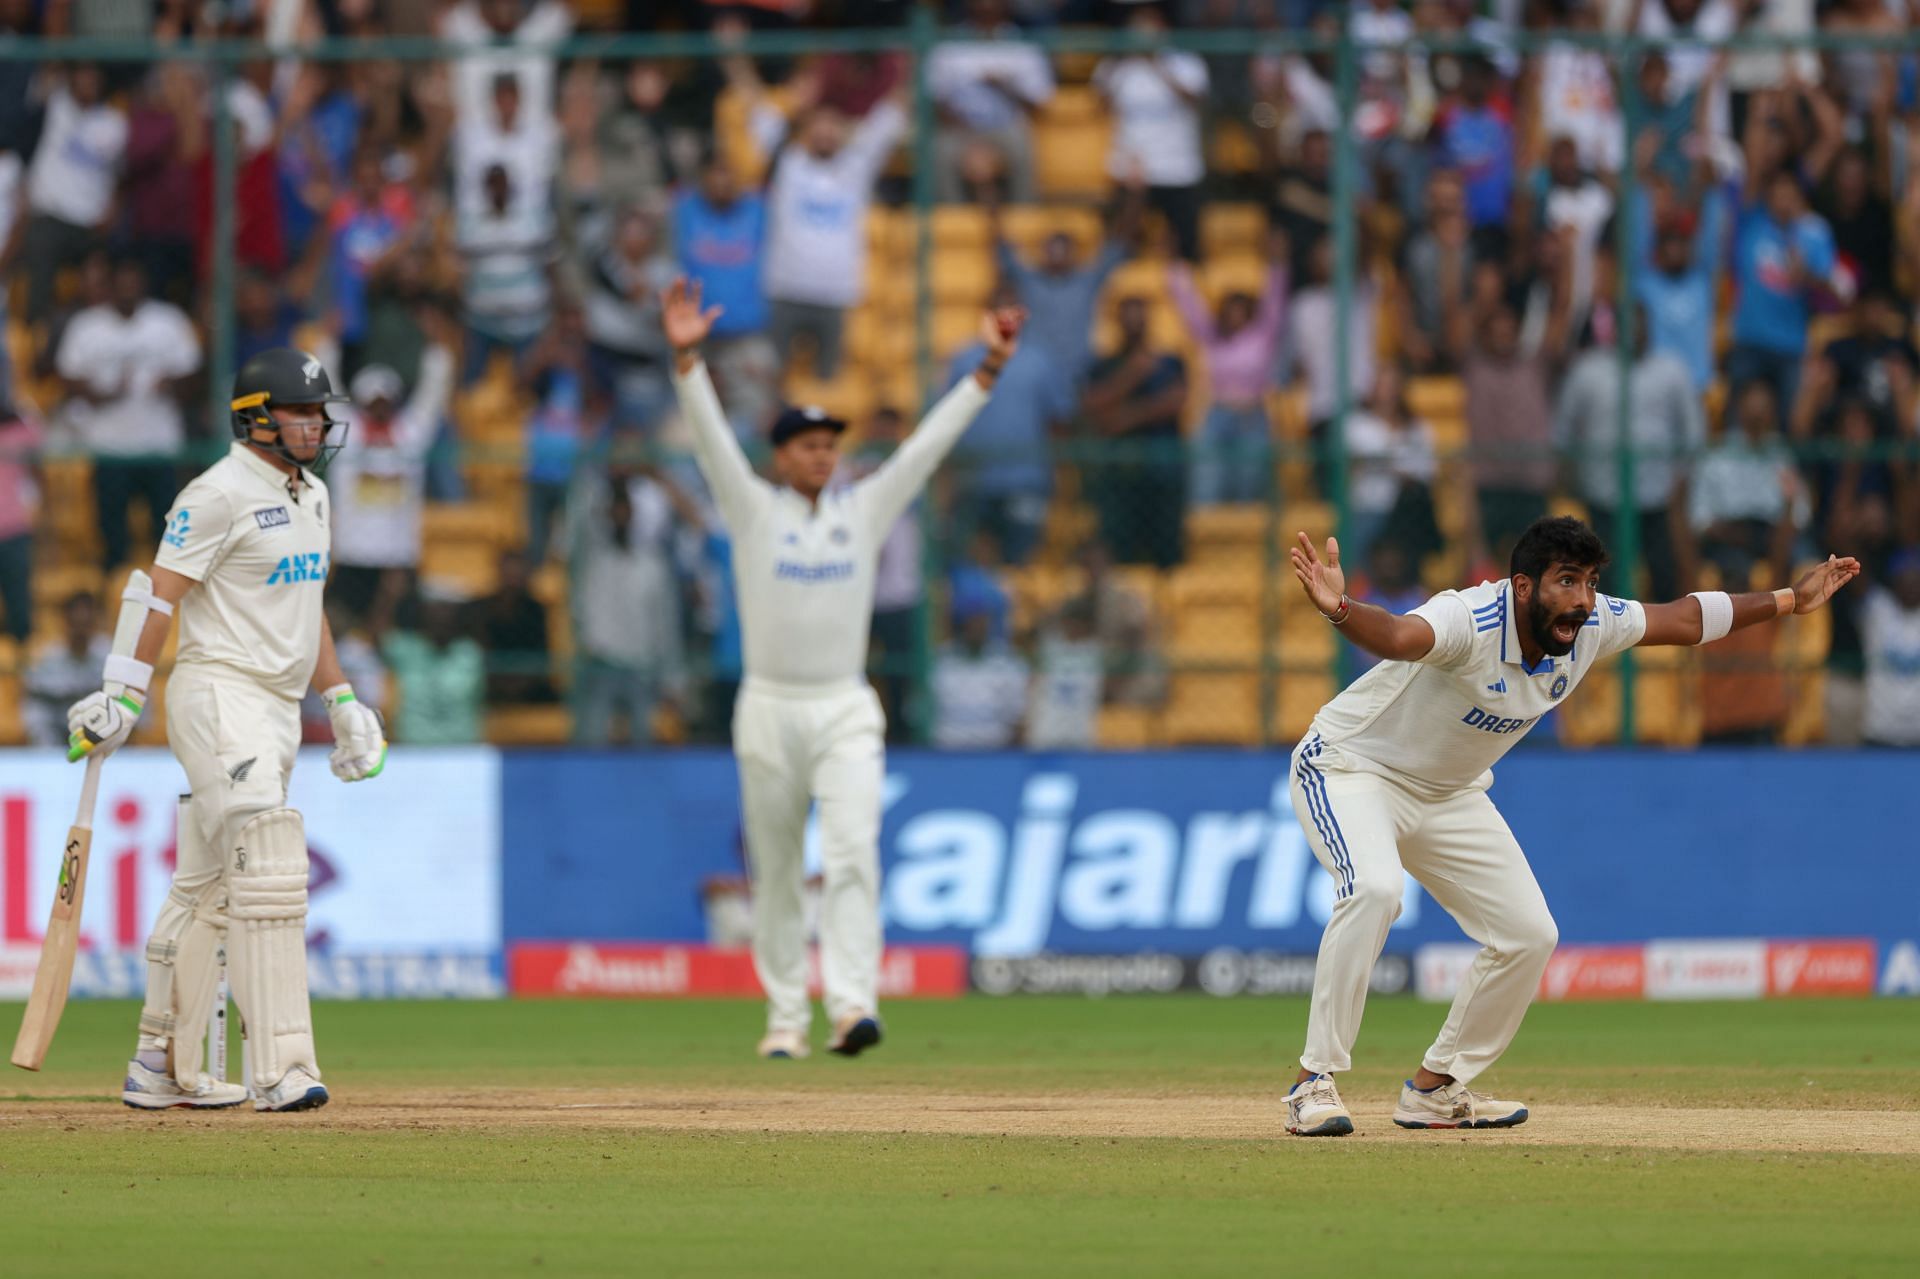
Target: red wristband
(1339, 615)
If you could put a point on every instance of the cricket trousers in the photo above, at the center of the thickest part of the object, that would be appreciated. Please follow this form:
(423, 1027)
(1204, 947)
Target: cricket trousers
(797, 747)
(1366, 829)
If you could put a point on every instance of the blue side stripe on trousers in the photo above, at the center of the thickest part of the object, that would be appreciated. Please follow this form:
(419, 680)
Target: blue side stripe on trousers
(1339, 837)
(1314, 784)
(1305, 776)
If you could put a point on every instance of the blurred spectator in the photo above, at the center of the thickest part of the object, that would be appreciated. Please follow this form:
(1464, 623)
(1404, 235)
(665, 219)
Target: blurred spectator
(1874, 360)
(626, 347)
(1240, 342)
(1302, 203)
(1155, 97)
(899, 582)
(1782, 260)
(72, 178)
(508, 243)
(818, 197)
(1473, 137)
(986, 85)
(1069, 681)
(379, 481)
(1573, 93)
(511, 136)
(19, 504)
(1568, 202)
(973, 581)
(1667, 428)
(1061, 292)
(1440, 260)
(1677, 278)
(570, 415)
(503, 38)
(368, 226)
(1314, 331)
(1132, 406)
(1391, 475)
(1392, 582)
(1891, 637)
(166, 135)
(440, 675)
(1509, 423)
(1003, 477)
(95, 289)
(613, 147)
(1857, 209)
(1746, 501)
(1136, 667)
(62, 673)
(512, 625)
(626, 602)
(719, 237)
(263, 316)
(360, 662)
(979, 687)
(125, 367)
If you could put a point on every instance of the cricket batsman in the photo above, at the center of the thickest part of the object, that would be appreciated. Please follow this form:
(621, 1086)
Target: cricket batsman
(807, 727)
(244, 557)
(1393, 776)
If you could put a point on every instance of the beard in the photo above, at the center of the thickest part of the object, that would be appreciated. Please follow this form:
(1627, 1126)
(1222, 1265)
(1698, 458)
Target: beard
(1542, 621)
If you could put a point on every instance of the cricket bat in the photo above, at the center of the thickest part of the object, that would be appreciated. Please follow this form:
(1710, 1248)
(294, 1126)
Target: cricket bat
(62, 941)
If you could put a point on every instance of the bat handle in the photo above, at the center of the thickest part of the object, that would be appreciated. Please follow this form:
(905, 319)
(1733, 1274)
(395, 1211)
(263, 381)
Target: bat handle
(89, 791)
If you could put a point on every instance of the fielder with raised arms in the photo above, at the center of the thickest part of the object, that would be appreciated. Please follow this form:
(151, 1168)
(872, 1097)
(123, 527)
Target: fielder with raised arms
(807, 727)
(1394, 773)
(244, 556)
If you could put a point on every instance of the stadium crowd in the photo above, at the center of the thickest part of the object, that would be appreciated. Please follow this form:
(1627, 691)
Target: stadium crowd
(476, 247)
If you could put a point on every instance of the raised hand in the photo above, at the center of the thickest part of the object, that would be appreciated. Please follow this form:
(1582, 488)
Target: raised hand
(1821, 581)
(1000, 331)
(1324, 582)
(686, 324)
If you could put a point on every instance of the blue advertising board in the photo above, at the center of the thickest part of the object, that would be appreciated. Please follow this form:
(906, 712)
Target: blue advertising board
(1017, 854)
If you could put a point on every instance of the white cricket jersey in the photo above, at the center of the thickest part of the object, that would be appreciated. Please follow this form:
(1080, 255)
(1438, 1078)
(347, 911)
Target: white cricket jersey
(1439, 724)
(804, 572)
(260, 556)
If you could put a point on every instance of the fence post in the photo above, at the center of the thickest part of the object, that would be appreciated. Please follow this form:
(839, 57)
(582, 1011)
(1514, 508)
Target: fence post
(1345, 246)
(220, 314)
(1626, 509)
(917, 703)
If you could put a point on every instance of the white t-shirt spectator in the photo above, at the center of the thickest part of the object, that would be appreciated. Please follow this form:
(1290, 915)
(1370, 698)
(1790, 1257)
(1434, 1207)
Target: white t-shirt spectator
(127, 358)
(957, 76)
(1153, 125)
(496, 55)
(508, 288)
(979, 699)
(1312, 334)
(1383, 458)
(380, 485)
(817, 209)
(1585, 209)
(529, 153)
(1891, 637)
(1577, 101)
(77, 161)
(1067, 687)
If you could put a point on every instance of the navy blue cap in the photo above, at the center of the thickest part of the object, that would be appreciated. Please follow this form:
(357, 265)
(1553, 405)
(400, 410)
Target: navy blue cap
(792, 421)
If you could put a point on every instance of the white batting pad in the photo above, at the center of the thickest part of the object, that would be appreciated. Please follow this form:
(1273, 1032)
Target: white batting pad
(267, 950)
(182, 967)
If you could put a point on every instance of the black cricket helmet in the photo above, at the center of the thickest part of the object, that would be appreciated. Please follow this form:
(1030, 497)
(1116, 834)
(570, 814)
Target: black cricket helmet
(280, 377)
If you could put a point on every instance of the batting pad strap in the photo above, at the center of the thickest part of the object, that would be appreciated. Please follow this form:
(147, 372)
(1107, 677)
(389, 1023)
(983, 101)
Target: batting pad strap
(1716, 615)
(126, 670)
(267, 897)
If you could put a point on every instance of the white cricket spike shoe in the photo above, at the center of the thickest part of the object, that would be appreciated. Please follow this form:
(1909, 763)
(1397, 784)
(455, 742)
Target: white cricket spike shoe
(152, 1090)
(854, 1034)
(784, 1045)
(298, 1089)
(1455, 1106)
(1314, 1109)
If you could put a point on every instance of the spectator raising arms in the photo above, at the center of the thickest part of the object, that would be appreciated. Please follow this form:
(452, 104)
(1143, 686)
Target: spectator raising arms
(1133, 404)
(1060, 293)
(986, 87)
(1156, 98)
(1240, 341)
(719, 237)
(71, 181)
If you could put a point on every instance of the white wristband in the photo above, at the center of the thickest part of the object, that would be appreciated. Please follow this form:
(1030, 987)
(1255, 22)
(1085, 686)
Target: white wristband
(152, 602)
(1716, 615)
(127, 671)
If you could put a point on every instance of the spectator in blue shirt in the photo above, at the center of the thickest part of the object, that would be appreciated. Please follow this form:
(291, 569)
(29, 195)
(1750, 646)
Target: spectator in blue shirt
(719, 237)
(1061, 292)
(1004, 475)
(1782, 258)
(1476, 139)
(1678, 278)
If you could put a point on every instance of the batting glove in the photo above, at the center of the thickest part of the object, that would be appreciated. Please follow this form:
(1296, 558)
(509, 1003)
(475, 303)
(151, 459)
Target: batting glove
(99, 723)
(360, 739)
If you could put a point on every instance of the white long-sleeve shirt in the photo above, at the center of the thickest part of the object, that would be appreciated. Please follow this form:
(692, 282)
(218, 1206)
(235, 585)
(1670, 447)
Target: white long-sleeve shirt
(804, 571)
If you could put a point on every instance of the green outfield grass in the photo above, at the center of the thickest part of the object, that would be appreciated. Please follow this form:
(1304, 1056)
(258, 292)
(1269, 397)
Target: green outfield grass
(371, 1186)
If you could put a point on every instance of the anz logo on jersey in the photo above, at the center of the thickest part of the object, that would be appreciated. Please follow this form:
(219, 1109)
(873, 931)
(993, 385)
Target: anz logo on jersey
(311, 567)
(1489, 723)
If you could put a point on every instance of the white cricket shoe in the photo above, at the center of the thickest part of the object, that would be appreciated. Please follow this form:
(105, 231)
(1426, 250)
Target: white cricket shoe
(1455, 1106)
(784, 1045)
(854, 1034)
(151, 1090)
(1314, 1109)
(298, 1089)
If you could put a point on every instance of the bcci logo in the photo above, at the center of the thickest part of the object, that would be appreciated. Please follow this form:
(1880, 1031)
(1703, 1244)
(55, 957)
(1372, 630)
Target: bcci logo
(1559, 687)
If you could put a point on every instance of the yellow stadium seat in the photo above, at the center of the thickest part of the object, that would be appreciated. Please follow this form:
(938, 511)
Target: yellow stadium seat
(962, 275)
(1127, 728)
(1212, 709)
(470, 569)
(1239, 524)
(1297, 698)
(848, 396)
(1233, 228)
(1074, 104)
(1434, 398)
(1216, 633)
(1233, 273)
(960, 226)
(462, 522)
(529, 725)
(954, 326)
(1070, 154)
(1027, 226)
